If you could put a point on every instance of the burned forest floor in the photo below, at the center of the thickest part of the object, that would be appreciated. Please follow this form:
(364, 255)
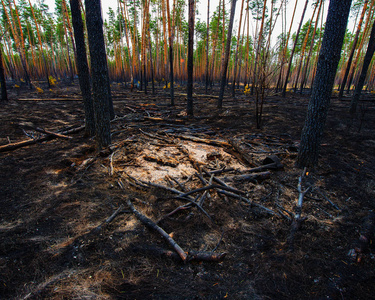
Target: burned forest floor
(223, 190)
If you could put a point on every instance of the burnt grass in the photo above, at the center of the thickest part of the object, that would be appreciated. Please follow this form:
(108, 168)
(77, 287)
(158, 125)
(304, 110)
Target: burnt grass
(49, 205)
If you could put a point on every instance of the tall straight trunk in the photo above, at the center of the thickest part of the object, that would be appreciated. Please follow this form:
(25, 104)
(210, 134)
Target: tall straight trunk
(329, 57)
(190, 110)
(359, 53)
(4, 94)
(279, 81)
(171, 75)
(304, 72)
(207, 42)
(366, 63)
(294, 48)
(213, 55)
(304, 45)
(247, 45)
(124, 14)
(236, 55)
(151, 66)
(40, 45)
(226, 58)
(83, 67)
(18, 41)
(257, 52)
(351, 55)
(165, 40)
(68, 25)
(99, 70)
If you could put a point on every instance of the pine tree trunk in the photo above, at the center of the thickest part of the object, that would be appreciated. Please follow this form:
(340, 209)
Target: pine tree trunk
(236, 55)
(303, 50)
(329, 57)
(366, 63)
(190, 110)
(226, 58)
(351, 55)
(171, 74)
(294, 48)
(4, 94)
(83, 67)
(99, 71)
(304, 73)
(207, 42)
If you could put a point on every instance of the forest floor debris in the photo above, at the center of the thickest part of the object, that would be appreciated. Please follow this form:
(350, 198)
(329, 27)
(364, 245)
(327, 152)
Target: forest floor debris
(214, 184)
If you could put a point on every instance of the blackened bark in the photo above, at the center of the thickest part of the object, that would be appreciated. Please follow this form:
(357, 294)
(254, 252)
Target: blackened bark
(4, 94)
(329, 57)
(171, 75)
(190, 65)
(83, 67)
(99, 71)
(366, 63)
(226, 58)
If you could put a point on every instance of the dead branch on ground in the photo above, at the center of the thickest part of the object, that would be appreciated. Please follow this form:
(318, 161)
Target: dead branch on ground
(149, 223)
(297, 219)
(14, 146)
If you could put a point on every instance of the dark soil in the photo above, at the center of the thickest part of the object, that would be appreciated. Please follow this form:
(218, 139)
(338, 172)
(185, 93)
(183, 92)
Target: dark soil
(53, 198)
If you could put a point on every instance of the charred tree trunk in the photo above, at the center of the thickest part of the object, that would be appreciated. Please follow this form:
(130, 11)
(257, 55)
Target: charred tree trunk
(366, 63)
(83, 67)
(100, 80)
(190, 110)
(4, 94)
(226, 58)
(329, 57)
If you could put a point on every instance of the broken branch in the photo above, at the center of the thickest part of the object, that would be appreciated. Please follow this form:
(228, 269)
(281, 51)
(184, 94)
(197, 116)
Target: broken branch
(149, 223)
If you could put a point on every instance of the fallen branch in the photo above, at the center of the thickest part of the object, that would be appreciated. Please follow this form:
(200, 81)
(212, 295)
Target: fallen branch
(203, 141)
(251, 177)
(28, 125)
(14, 146)
(210, 187)
(149, 223)
(197, 95)
(246, 157)
(109, 219)
(157, 119)
(297, 219)
(328, 200)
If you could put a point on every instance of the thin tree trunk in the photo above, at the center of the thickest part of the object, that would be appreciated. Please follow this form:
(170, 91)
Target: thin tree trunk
(190, 110)
(279, 81)
(329, 57)
(304, 49)
(359, 53)
(236, 55)
(304, 73)
(294, 48)
(171, 75)
(351, 55)
(366, 63)
(4, 94)
(207, 42)
(257, 52)
(225, 62)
